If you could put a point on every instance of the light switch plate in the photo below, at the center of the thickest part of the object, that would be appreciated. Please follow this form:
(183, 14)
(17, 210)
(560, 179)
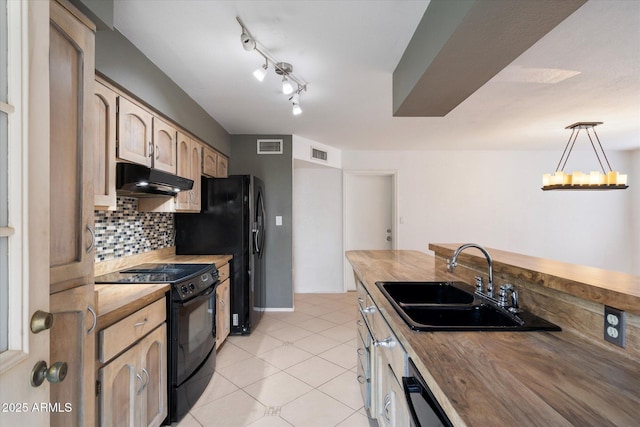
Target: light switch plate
(278, 220)
(614, 326)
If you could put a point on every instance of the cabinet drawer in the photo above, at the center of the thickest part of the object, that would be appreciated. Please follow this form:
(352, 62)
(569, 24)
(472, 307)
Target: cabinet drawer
(121, 335)
(223, 272)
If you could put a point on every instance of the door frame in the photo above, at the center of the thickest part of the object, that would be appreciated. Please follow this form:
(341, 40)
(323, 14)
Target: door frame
(346, 175)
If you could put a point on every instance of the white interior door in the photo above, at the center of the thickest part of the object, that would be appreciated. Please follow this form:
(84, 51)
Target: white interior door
(369, 215)
(24, 220)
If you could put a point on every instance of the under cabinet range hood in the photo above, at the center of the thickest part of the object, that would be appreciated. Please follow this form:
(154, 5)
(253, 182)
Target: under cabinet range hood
(140, 181)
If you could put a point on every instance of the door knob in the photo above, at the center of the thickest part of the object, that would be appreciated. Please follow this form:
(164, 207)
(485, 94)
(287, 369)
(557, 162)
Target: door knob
(55, 374)
(41, 321)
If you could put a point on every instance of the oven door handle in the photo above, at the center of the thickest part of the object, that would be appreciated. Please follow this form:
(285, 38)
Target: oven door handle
(201, 297)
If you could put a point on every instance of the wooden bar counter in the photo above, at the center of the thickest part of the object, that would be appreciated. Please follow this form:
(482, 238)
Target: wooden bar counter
(511, 378)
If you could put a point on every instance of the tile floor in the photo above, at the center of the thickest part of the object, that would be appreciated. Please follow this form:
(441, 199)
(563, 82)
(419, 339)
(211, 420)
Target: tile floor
(296, 369)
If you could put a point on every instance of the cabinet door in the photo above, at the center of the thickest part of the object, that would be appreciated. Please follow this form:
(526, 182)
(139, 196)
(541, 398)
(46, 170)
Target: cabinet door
(184, 170)
(104, 153)
(134, 133)
(223, 312)
(209, 162)
(164, 146)
(71, 76)
(120, 384)
(196, 161)
(153, 366)
(73, 342)
(222, 169)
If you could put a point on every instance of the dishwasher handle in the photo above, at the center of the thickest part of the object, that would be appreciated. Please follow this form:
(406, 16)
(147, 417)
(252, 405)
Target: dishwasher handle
(424, 409)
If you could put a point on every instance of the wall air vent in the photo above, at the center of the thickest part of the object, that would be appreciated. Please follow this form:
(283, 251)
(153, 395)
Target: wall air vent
(318, 154)
(269, 146)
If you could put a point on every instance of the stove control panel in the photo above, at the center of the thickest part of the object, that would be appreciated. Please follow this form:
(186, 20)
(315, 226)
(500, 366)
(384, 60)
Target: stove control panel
(196, 285)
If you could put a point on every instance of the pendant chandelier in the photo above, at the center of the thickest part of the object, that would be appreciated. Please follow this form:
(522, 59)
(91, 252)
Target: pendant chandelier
(594, 180)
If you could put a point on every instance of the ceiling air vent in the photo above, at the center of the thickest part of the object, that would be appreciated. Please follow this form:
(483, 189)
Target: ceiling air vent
(269, 146)
(318, 154)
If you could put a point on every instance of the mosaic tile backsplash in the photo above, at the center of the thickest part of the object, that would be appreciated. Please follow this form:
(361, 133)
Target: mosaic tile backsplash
(126, 231)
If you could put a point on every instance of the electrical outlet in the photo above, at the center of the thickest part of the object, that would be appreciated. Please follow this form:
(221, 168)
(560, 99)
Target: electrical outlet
(614, 321)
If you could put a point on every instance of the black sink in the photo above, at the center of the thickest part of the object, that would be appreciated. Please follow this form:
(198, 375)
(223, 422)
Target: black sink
(407, 294)
(447, 306)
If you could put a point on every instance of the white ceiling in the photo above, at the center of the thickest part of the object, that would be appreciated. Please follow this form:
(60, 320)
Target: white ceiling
(347, 51)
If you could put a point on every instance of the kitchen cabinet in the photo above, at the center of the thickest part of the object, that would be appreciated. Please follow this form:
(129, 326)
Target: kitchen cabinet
(189, 161)
(145, 139)
(222, 167)
(71, 76)
(209, 162)
(133, 386)
(382, 362)
(71, 236)
(134, 133)
(164, 146)
(223, 311)
(104, 150)
(214, 165)
(73, 342)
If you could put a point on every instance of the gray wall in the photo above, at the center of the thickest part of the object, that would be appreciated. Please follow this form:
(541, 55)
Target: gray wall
(276, 170)
(120, 61)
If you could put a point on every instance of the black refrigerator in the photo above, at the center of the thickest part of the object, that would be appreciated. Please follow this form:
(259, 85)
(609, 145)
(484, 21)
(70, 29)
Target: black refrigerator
(232, 222)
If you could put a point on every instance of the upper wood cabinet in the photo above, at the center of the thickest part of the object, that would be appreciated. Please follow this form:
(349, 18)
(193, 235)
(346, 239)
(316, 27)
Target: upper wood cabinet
(214, 165)
(196, 161)
(145, 139)
(209, 162)
(184, 169)
(164, 146)
(71, 77)
(223, 167)
(104, 150)
(189, 160)
(134, 133)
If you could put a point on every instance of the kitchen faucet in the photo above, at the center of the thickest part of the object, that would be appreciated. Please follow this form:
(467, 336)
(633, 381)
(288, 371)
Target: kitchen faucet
(451, 264)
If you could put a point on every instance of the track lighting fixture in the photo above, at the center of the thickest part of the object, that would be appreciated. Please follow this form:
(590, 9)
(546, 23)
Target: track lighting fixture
(283, 69)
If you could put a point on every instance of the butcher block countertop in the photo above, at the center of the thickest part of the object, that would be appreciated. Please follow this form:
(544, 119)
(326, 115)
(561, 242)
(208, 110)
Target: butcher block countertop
(507, 378)
(114, 302)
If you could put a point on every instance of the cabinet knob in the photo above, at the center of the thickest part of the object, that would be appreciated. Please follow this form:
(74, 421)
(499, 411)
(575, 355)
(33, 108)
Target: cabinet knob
(41, 321)
(55, 374)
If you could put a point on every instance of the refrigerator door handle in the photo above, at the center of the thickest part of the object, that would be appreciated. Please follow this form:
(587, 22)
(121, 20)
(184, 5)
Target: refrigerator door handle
(256, 240)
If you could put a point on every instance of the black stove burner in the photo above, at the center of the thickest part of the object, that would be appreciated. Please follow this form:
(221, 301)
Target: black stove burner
(156, 273)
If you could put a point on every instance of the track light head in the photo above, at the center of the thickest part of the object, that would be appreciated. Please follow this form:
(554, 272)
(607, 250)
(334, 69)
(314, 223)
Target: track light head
(295, 100)
(261, 72)
(287, 87)
(248, 42)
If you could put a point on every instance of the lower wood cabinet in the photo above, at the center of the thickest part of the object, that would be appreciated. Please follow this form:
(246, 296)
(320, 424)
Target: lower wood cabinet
(133, 386)
(223, 312)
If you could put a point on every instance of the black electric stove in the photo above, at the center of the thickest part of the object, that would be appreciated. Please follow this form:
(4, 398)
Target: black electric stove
(188, 280)
(190, 324)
